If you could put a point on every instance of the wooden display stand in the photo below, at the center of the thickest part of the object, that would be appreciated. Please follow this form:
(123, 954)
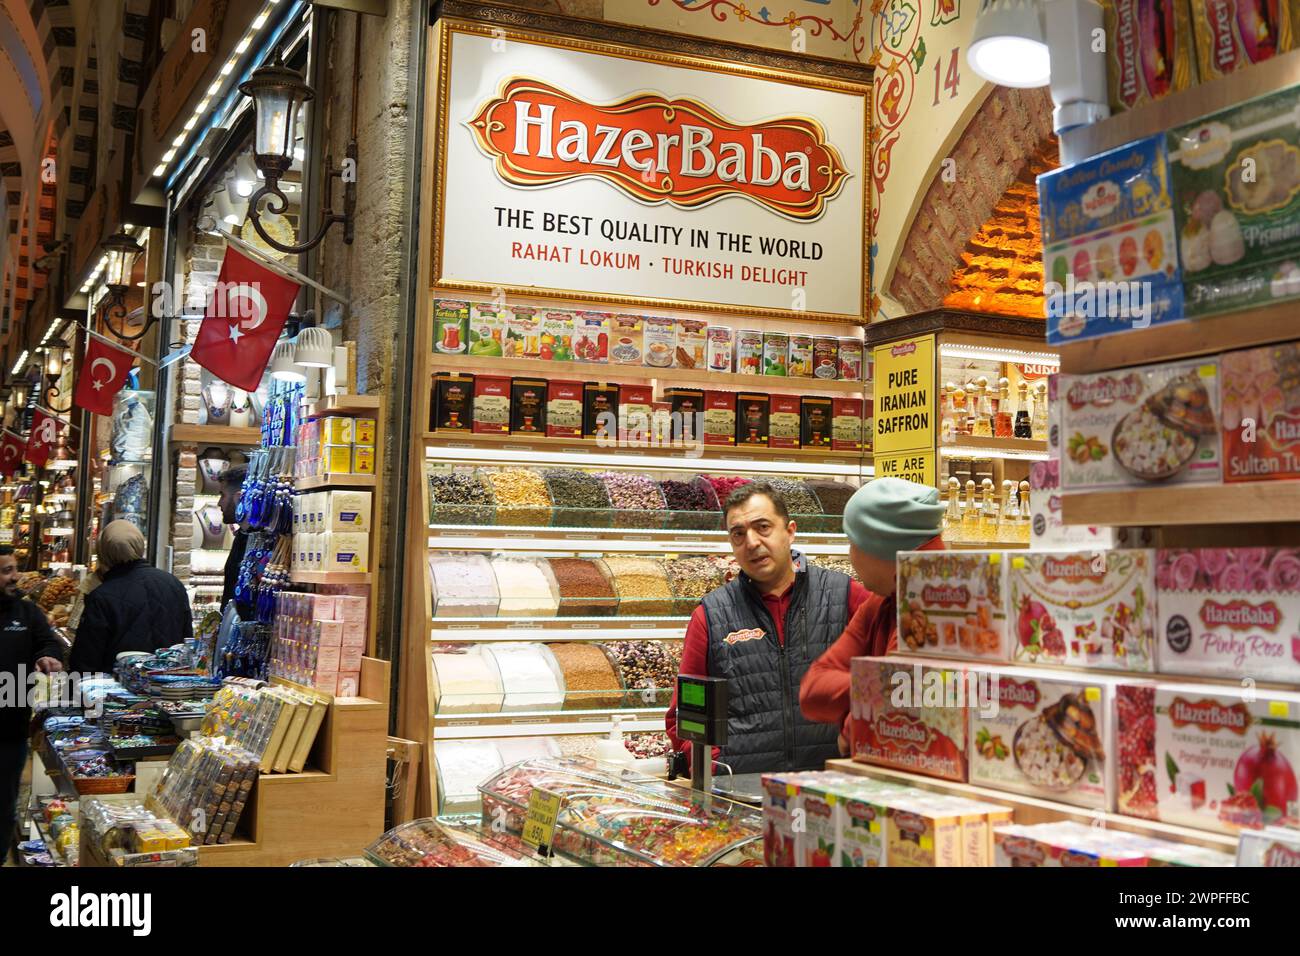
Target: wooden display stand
(335, 808)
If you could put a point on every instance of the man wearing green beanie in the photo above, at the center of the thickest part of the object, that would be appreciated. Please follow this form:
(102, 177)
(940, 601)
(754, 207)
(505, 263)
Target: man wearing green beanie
(884, 517)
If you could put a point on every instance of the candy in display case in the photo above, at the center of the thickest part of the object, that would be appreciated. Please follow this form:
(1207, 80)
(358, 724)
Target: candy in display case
(622, 818)
(435, 843)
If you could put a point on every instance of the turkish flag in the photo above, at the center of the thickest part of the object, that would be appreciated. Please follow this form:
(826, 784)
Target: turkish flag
(41, 439)
(244, 318)
(11, 453)
(103, 373)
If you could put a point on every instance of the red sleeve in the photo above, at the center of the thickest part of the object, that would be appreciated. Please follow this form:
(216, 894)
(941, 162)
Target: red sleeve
(857, 597)
(695, 660)
(824, 691)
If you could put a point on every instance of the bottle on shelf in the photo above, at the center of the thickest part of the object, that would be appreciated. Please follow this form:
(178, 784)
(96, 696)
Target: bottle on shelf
(970, 518)
(948, 416)
(982, 426)
(959, 417)
(988, 512)
(1023, 428)
(952, 517)
(1038, 419)
(1004, 416)
(1025, 517)
(1004, 532)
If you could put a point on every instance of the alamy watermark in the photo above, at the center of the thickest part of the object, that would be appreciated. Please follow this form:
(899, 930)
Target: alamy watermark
(1129, 300)
(656, 430)
(934, 688)
(64, 689)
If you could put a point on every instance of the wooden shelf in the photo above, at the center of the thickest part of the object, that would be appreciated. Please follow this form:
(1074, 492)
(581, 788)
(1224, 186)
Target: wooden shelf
(1253, 502)
(1180, 108)
(986, 545)
(1031, 810)
(215, 435)
(345, 405)
(334, 481)
(493, 449)
(1262, 325)
(329, 577)
(593, 372)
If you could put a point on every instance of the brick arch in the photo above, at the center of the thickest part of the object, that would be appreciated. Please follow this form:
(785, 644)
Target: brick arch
(11, 169)
(55, 26)
(1009, 129)
(77, 148)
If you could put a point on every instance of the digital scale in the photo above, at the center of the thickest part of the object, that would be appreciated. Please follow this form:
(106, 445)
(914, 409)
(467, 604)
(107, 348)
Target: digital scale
(702, 719)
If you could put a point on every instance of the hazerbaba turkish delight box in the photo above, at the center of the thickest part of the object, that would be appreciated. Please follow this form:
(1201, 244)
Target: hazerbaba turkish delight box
(1236, 176)
(1047, 529)
(1141, 426)
(1271, 846)
(953, 604)
(1260, 393)
(1064, 844)
(1233, 34)
(1044, 734)
(1110, 254)
(1149, 54)
(1084, 609)
(1215, 758)
(1229, 612)
(910, 714)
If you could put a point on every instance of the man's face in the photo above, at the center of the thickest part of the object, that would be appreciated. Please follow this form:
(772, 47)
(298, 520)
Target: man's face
(9, 575)
(876, 574)
(761, 539)
(228, 501)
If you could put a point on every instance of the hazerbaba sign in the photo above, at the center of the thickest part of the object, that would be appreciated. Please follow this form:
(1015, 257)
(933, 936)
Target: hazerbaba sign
(649, 179)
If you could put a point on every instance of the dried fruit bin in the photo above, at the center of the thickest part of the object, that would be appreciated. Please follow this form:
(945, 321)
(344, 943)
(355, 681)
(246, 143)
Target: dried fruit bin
(460, 496)
(804, 507)
(526, 585)
(642, 586)
(690, 579)
(691, 504)
(520, 496)
(584, 587)
(638, 501)
(591, 676)
(530, 677)
(463, 585)
(623, 818)
(461, 766)
(579, 498)
(648, 669)
(465, 680)
(832, 496)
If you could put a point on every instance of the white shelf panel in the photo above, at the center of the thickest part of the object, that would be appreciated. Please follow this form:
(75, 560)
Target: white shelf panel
(516, 532)
(555, 630)
(604, 544)
(544, 723)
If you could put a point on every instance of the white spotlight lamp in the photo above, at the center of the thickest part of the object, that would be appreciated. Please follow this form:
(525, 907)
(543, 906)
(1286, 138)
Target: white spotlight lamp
(283, 368)
(1009, 44)
(313, 348)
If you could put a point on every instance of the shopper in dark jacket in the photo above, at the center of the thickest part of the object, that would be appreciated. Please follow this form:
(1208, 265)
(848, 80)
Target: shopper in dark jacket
(137, 608)
(26, 645)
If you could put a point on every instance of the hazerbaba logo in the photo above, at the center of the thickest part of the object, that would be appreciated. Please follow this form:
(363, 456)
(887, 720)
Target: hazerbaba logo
(1077, 858)
(860, 810)
(941, 595)
(657, 149)
(1071, 569)
(1022, 848)
(1210, 716)
(1284, 430)
(748, 634)
(816, 807)
(1222, 16)
(904, 731)
(911, 824)
(1279, 854)
(1103, 391)
(907, 348)
(1012, 692)
(1127, 50)
(1241, 615)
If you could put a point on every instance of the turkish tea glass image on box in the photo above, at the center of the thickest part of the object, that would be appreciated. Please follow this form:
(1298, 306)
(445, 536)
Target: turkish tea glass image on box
(1137, 427)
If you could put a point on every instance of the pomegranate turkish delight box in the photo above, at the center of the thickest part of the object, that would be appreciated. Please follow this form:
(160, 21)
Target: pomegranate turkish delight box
(952, 604)
(1084, 609)
(1043, 734)
(1229, 612)
(1142, 426)
(910, 714)
(1272, 847)
(1260, 391)
(1215, 758)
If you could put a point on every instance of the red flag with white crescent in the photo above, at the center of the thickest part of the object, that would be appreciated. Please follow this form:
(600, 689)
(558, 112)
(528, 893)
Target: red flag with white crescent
(244, 318)
(103, 373)
(41, 439)
(11, 453)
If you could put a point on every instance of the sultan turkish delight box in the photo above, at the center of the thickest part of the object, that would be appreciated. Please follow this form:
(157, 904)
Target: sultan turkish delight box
(953, 604)
(1260, 391)
(1200, 755)
(1084, 609)
(910, 714)
(1229, 612)
(1236, 176)
(1141, 426)
(1110, 256)
(1045, 735)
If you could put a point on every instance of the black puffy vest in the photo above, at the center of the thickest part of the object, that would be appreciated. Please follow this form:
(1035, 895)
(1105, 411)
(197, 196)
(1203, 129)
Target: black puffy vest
(765, 730)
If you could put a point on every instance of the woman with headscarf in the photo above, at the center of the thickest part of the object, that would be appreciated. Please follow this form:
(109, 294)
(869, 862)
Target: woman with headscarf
(137, 607)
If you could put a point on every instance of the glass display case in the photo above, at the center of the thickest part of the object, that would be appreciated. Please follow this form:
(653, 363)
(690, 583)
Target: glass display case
(623, 818)
(449, 841)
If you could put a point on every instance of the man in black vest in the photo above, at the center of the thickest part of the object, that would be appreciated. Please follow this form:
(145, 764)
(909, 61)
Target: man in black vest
(762, 630)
